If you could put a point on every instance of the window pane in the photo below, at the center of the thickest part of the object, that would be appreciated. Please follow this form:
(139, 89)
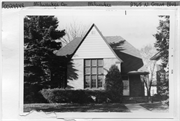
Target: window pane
(100, 70)
(94, 70)
(126, 87)
(87, 70)
(100, 62)
(94, 62)
(87, 81)
(93, 83)
(100, 80)
(87, 62)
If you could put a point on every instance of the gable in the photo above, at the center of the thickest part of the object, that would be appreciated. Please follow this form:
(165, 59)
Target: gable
(94, 46)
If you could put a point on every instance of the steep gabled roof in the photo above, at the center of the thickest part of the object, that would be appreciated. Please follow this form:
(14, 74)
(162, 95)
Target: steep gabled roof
(108, 44)
(124, 45)
(129, 54)
(123, 50)
(72, 47)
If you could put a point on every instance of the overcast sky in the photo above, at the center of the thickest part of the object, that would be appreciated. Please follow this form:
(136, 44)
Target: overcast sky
(138, 29)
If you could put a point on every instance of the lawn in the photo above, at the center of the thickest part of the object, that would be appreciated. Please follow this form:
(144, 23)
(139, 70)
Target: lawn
(158, 106)
(62, 107)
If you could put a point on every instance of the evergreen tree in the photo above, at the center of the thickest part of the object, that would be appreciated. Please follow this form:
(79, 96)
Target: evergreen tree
(41, 37)
(162, 46)
(114, 84)
(162, 39)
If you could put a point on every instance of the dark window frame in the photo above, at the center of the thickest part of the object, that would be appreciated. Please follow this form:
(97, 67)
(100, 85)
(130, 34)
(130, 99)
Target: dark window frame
(97, 66)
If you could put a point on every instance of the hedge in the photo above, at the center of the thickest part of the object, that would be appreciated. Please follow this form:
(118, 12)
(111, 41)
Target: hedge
(76, 96)
(113, 91)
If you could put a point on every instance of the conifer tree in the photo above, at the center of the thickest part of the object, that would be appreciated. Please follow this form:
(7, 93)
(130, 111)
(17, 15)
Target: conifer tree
(114, 84)
(162, 46)
(41, 39)
(162, 39)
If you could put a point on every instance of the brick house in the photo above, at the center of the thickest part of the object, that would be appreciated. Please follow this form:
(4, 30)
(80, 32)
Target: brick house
(94, 54)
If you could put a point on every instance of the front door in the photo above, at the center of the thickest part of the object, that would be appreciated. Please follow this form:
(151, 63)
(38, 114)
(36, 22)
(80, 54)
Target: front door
(136, 86)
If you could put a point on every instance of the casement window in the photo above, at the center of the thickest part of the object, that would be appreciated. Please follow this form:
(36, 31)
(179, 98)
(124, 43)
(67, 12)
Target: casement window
(93, 73)
(125, 85)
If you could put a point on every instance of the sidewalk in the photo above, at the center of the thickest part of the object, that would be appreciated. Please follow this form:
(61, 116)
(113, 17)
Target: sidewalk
(135, 107)
(151, 108)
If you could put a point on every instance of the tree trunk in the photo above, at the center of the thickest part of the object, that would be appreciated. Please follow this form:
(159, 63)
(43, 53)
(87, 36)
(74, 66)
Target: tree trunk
(149, 95)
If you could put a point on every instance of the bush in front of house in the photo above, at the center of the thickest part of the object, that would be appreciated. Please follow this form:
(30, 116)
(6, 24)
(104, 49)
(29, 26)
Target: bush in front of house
(158, 97)
(75, 96)
(113, 92)
(32, 94)
(114, 84)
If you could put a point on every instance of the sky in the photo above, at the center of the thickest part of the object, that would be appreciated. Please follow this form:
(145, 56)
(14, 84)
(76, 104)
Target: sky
(135, 27)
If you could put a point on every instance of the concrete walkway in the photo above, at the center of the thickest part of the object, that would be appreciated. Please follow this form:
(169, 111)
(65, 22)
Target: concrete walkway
(135, 107)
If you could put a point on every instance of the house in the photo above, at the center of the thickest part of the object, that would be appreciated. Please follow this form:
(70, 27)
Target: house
(94, 54)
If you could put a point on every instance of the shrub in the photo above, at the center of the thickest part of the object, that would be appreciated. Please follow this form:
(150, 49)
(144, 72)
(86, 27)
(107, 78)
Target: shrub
(158, 97)
(32, 94)
(113, 92)
(163, 86)
(74, 96)
(114, 84)
(98, 96)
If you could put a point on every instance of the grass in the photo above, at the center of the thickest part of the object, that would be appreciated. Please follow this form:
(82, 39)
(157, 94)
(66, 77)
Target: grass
(62, 107)
(158, 106)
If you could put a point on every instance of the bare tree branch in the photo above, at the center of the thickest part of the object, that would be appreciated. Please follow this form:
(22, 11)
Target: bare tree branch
(75, 30)
(149, 66)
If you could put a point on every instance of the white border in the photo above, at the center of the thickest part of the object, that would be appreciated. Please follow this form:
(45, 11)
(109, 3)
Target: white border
(1, 67)
(170, 115)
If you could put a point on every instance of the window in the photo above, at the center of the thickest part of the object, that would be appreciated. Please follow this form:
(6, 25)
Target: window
(93, 72)
(125, 85)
